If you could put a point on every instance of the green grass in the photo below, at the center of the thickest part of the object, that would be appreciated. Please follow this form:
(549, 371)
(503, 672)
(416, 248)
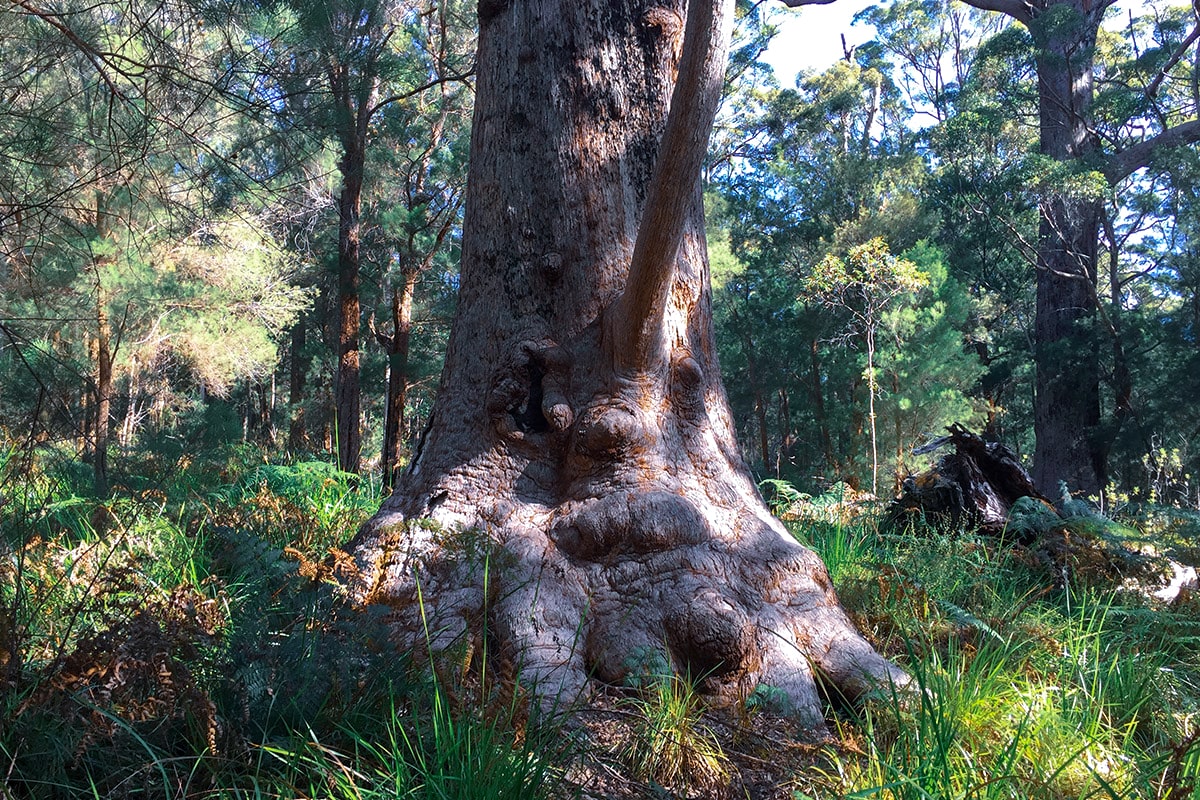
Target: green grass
(173, 642)
(1023, 688)
(670, 744)
(178, 640)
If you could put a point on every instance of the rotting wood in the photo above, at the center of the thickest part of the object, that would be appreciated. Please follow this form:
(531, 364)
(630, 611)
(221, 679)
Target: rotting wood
(974, 485)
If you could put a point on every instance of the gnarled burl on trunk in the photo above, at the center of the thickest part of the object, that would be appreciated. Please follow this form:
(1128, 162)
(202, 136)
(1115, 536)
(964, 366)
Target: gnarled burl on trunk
(581, 435)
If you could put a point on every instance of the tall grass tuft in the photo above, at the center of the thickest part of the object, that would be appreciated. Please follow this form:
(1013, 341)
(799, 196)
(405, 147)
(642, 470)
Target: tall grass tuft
(1024, 685)
(671, 745)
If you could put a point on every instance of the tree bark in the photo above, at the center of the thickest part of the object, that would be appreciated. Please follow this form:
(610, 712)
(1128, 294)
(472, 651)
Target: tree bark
(354, 97)
(1067, 390)
(101, 425)
(298, 363)
(397, 348)
(787, 441)
(348, 388)
(581, 439)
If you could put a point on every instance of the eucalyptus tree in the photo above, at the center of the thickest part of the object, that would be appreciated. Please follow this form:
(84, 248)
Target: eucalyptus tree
(1088, 150)
(579, 484)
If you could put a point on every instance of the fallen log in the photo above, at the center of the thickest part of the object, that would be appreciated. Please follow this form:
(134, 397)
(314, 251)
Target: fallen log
(981, 485)
(975, 485)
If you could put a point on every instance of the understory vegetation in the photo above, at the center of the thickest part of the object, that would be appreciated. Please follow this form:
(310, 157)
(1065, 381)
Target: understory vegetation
(189, 638)
(232, 231)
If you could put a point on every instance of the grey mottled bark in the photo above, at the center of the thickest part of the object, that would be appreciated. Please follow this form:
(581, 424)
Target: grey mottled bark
(597, 469)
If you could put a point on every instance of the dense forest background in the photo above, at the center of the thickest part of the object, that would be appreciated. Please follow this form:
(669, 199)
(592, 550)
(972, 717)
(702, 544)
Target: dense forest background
(229, 238)
(237, 223)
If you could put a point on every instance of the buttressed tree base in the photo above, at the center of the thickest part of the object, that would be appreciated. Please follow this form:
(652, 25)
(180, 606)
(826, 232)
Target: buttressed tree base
(579, 484)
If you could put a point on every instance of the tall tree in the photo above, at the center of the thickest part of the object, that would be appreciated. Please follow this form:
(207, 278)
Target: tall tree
(866, 283)
(1070, 446)
(342, 64)
(581, 445)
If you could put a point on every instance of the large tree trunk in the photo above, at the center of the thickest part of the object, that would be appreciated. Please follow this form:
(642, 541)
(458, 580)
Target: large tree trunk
(1067, 395)
(580, 483)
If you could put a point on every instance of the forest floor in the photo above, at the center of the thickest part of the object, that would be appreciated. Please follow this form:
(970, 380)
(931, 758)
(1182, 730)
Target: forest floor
(187, 638)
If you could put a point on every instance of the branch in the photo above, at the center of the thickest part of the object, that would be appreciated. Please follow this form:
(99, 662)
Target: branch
(439, 81)
(638, 312)
(1176, 57)
(96, 58)
(1017, 9)
(1123, 164)
(382, 338)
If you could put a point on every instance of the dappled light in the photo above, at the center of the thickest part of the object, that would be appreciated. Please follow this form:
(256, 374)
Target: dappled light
(544, 399)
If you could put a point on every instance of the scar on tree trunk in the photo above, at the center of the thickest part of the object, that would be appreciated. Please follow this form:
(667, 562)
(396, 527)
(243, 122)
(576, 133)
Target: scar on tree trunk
(579, 485)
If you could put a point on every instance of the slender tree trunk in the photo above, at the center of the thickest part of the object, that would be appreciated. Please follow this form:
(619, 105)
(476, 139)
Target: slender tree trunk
(348, 389)
(581, 433)
(87, 401)
(298, 377)
(872, 388)
(103, 403)
(129, 424)
(397, 347)
(787, 441)
(817, 390)
(266, 422)
(101, 425)
(760, 402)
(898, 428)
(247, 409)
(1122, 375)
(1195, 303)
(354, 105)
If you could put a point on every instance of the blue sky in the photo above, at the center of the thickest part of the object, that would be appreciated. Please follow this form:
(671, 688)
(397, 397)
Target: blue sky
(810, 36)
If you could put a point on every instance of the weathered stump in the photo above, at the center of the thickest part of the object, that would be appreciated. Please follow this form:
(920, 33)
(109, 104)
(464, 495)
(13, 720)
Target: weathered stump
(975, 485)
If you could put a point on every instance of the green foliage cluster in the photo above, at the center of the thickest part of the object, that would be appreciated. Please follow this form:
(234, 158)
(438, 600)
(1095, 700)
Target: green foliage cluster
(166, 234)
(159, 644)
(193, 640)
